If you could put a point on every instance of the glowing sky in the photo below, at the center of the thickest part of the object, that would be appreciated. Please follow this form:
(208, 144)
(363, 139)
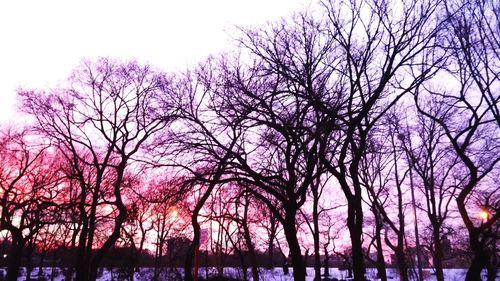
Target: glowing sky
(41, 41)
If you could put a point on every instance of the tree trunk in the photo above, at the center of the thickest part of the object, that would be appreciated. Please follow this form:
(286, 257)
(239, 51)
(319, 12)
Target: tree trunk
(82, 259)
(285, 264)
(355, 226)
(381, 269)
(159, 253)
(120, 218)
(272, 234)
(219, 254)
(271, 254)
(438, 254)
(110, 242)
(325, 262)
(492, 264)
(29, 257)
(243, 264)
(299, 267)
(54, 266)
(244, 268)
(40, 266)
(402, 266)
(317, 257)
(14, 264)
(193, 248)
(251, 251)
(480, 256)
(71, 267)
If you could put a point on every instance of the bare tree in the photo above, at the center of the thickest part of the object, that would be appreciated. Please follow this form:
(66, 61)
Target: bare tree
(271, 226)
(166, 219)
(373, 48)
(436, 167)
(375, 179)
(138, 223)
(29, 191)
(315, 214)
(247, 129)
(343, 69)
(199, 147)
(100, 121)
(389, 176)
(469, 108)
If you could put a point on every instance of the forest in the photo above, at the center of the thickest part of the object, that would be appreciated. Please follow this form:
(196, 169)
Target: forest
(359, 134)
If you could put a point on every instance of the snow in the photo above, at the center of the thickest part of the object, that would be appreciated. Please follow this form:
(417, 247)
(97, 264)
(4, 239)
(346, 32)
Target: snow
(275, 274)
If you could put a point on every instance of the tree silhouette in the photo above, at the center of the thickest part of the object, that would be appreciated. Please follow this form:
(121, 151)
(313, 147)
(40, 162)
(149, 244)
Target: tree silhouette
(100, 121)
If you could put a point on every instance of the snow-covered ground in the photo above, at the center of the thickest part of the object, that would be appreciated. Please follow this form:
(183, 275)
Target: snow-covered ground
(276, 274)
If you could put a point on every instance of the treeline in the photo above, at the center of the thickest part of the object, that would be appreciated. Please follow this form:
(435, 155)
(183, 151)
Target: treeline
(365, 129)
(126, 257)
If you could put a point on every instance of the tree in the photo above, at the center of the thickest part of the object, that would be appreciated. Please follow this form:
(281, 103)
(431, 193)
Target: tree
(278, 160)
(375, 179)
(281, 162)
(320, 206)
(160, 210)
(387, 176)
(227, 213)
(345, 73)
(29, 191)
(436, 166)
(199, 148)
(373, 51)
(270, 226)
(469, 107)
(99, 122)
(138, 223)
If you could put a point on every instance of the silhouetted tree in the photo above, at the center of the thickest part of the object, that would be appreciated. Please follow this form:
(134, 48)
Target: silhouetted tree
(100, 121)
(344, 72)
(199, 147)
(29, 190)
(468, 109)
(438, 176)
(388, 177)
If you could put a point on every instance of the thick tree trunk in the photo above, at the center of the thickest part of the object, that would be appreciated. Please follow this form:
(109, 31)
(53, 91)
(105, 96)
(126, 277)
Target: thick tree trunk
(479, 259)
(402, 265)
(492, 265)
(192, 253)
(159, 254)
(54, 266)
(243, 264)
(72, 267)
(270, 254)
(299, 267)
(82, 258)
(355, 226)
(244, 268)
(193, 248)
(438, 254)
(81, 263)
(40, 265)
(90, 263)
(14, 263)
(110, 242)
(285, 264)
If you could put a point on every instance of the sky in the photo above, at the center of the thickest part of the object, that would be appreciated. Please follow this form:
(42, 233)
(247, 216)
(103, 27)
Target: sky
(42, 41)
